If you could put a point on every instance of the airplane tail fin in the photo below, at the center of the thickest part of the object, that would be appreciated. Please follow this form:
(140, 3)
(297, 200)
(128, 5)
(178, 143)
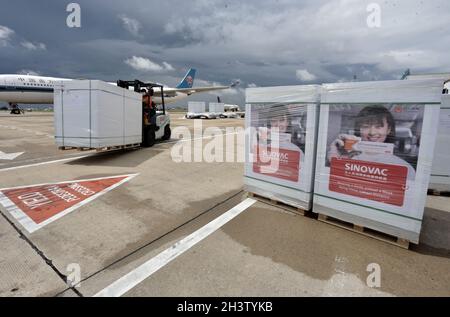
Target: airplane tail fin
(188, 80)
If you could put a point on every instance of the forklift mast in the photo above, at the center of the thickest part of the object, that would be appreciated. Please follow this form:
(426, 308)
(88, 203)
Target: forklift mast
(139, 85)
(150, 128)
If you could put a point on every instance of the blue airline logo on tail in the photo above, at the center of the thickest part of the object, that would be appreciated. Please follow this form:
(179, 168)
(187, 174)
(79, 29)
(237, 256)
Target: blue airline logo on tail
(188, 80)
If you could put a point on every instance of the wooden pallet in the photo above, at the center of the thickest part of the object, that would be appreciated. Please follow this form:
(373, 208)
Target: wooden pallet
(436, 192)
(274, 202)
(66, 148)
(121, 147)
(103, 149)
(403, 243)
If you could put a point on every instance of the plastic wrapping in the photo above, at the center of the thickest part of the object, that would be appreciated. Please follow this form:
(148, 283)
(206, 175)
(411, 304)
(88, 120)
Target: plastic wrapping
(440, 174)
(196, 107)
(281, 143)
(383, 91)
(216, 108)
(95, 114)
(374, 154)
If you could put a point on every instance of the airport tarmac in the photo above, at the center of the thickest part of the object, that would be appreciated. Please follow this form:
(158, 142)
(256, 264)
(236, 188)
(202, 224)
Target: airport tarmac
(188, 229)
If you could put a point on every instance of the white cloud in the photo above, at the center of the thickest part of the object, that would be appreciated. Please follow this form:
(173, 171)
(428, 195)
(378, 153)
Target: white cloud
(141, 63)
(144, 64)
(131, 25)
(168, 67)
(305, 75)
(5, 35)
(34, 46)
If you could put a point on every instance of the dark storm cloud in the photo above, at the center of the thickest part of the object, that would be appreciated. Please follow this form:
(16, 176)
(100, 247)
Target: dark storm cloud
(265, 42)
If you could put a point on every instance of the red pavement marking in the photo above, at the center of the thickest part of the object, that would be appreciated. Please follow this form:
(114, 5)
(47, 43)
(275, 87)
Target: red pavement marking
(43, 202)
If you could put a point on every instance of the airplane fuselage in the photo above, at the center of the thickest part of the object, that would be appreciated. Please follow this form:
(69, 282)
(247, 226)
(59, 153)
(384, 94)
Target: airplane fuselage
(17, 89)
(28, 89)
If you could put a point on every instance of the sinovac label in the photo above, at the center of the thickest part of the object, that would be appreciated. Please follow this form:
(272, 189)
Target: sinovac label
(374, 181)
(278, 163)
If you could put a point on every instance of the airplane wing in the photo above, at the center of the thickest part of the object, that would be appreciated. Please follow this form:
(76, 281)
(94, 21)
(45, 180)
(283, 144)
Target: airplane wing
(169, 92)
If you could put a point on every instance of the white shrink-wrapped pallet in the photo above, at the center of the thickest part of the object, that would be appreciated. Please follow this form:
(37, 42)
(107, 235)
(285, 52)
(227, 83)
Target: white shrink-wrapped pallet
(196, 107)
(95, 114)
(440, 173)
(374, 154)
(281, 125)
(216, 108)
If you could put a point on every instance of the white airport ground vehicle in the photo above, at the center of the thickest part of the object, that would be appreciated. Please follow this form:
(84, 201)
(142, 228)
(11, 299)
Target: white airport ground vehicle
(203, 115)
(197, 110)
(230, 111)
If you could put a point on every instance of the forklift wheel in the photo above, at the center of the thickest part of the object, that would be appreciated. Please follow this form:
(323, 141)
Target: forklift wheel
(167, 133)
(149, 138)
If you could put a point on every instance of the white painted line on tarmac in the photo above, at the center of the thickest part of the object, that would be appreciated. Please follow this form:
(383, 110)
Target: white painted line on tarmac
(42, 163)
(200, 138)
(129, 281)
(10, 156)
(72, 181)
(83, 156)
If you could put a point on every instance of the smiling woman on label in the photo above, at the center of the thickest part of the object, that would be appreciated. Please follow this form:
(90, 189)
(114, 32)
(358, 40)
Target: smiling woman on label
(374, 127)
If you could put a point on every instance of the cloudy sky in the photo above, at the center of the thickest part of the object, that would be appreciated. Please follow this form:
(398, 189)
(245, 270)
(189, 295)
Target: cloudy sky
(261, 43)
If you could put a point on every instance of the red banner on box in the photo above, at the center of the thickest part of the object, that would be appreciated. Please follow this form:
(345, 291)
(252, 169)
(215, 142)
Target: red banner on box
(279, 163)
(384, 183)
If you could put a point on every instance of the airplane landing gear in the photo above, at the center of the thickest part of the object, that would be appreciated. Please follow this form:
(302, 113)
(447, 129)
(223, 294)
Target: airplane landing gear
(15, 109)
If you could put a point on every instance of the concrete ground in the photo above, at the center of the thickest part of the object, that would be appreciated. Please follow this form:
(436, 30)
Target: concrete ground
(264, 251)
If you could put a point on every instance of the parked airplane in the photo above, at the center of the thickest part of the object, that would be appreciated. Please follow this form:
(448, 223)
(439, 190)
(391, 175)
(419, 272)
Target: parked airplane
(28, 89)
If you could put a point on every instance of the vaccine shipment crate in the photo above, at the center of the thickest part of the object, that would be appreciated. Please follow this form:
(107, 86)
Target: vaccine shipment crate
(281, 125)
(216, 108)
(374, 154)
(95, 114)
(196, 107)
(440, 173)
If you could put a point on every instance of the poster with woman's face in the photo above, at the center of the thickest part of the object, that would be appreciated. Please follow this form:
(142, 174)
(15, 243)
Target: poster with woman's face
(280, 137)
(287, 119)
(372, 149)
